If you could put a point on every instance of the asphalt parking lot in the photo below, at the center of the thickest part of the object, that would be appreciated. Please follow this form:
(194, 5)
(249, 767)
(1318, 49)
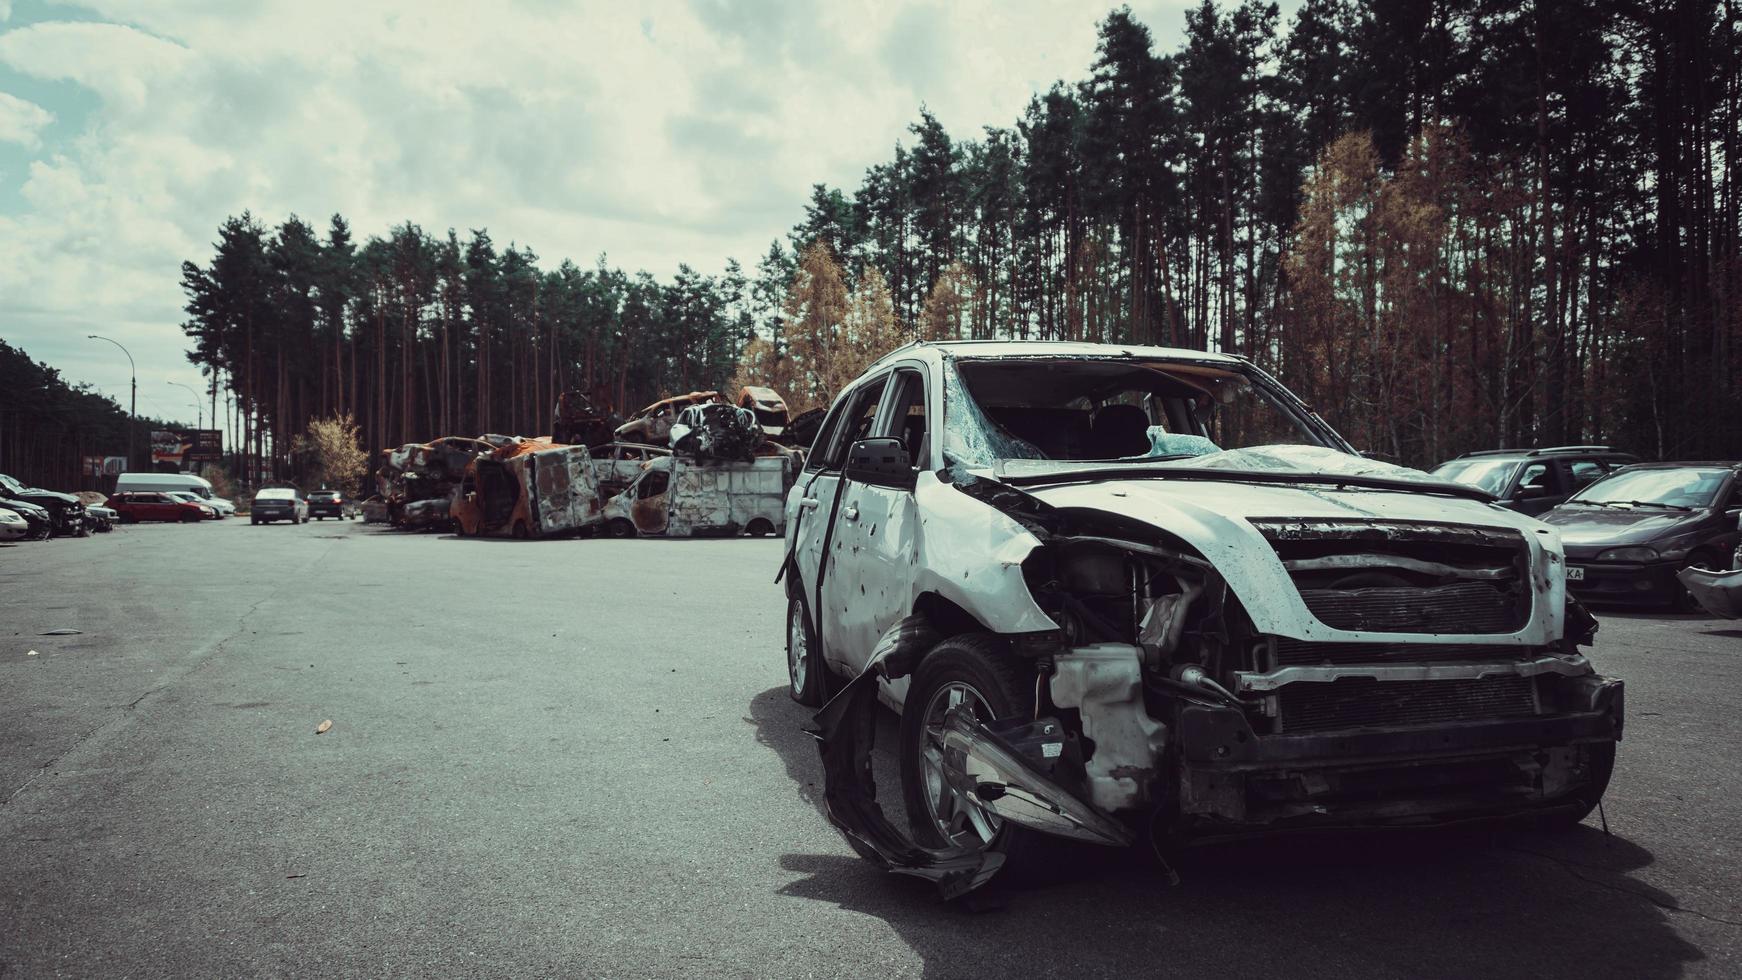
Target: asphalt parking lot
(577, 758)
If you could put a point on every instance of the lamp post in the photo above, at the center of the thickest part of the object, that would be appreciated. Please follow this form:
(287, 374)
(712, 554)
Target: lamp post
(133, 408)
(199, 411)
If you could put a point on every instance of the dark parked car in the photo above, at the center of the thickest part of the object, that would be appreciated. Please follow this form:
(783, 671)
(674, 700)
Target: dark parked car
(1531, 481)
(142, 505)
(36, 517)
(66, 513)
(323, 504)
(1628, 534)
(279, 504)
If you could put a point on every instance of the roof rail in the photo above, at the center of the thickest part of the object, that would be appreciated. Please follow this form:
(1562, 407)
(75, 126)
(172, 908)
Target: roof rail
(1570, 449)
(1490, 452)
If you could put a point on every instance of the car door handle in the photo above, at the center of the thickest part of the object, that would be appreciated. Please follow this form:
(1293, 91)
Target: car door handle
(850, 512)
(808, 503)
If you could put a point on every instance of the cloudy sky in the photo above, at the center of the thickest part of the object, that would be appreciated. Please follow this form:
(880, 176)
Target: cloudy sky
(657, 132)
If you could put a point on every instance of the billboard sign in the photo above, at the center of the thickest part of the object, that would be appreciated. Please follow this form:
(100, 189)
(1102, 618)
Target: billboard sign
(205, 445)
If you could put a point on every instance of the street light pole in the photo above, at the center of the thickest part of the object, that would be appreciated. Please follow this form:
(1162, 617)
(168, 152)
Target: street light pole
(133, 408)
(199, 410)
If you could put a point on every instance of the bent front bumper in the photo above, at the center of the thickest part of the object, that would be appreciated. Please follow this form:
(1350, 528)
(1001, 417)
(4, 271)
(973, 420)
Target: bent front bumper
(1231, 779)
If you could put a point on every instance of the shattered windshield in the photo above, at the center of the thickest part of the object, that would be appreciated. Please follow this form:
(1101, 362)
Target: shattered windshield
(1488, 474)
(1108, 410)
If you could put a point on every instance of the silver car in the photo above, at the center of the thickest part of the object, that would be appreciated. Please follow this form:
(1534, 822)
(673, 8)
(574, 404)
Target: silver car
(279, 504)
(1121, 589)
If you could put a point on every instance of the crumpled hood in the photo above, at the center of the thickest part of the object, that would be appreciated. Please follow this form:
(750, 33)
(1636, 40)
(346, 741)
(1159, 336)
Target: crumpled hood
(1215, 518)
(34, 494)
(1610, 526)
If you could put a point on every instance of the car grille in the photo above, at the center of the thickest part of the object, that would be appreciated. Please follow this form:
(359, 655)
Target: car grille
(1461, 607)
(1361, 703)
(1302, 653)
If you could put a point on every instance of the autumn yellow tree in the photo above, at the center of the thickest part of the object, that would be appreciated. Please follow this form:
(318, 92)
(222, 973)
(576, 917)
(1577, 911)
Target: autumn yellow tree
(950, 305)
(333, 455)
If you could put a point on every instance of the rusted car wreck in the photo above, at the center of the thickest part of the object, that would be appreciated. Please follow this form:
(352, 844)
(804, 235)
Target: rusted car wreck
(1127, 591)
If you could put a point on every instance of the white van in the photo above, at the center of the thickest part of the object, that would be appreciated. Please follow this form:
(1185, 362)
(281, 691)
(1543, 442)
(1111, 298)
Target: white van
(164, 482)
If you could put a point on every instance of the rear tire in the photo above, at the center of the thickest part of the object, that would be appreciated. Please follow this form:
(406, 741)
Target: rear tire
(973, 665)
(618, 527)
(759, 527)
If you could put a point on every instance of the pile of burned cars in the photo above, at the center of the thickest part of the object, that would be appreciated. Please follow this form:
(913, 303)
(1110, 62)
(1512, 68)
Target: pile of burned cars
(1126, 591)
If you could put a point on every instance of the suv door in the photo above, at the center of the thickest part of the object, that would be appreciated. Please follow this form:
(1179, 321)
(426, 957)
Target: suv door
(811, 506)
(1545, 476)
(870, 586)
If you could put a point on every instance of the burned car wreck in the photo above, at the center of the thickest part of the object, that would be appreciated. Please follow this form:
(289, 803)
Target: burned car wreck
(1118, 592)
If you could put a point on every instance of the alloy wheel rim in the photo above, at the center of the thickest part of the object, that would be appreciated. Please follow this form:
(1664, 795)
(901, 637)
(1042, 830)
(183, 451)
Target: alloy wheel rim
(957, 820)
(797, 649)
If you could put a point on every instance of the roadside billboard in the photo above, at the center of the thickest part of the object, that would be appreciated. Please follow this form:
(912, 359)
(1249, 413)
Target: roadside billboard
(205, 445)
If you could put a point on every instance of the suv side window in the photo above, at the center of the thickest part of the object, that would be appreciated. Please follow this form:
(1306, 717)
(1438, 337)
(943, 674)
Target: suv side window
(1585, 472)
(849, 421)
(1536, 474)
(905, 418)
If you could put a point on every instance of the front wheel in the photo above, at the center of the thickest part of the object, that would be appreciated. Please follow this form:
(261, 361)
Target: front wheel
(1600, 761)
(973, 670)
(759, 527)
(618, 527)
(807, 676)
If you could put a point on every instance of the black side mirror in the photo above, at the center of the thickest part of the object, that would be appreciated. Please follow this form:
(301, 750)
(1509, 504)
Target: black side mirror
(880, 463)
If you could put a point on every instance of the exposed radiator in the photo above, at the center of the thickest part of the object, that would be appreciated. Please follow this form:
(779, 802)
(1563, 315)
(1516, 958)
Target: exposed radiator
(1361, 703)
(1462, 607)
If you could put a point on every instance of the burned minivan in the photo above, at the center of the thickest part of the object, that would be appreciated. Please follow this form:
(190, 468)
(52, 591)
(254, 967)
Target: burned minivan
(1117, 591)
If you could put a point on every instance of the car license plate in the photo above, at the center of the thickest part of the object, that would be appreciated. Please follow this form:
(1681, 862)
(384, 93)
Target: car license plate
(1575, 573)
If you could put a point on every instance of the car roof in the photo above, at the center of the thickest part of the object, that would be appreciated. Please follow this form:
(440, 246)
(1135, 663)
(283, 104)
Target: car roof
(1062, 349)
(1522, 453)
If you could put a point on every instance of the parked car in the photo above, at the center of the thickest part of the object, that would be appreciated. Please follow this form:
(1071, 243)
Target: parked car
(684, 497)
(224, 506)
(100, 518)
(279, 504)
(375, 510)
(66, 513)
(13, 526)
(144, 505)
(164, 483)
(652, 425)
(1114, 588)
(531, 490)
(35, 518)
(1628, 534)
(617, 464)
(1531, 481)
(323, 504)
(207, 511)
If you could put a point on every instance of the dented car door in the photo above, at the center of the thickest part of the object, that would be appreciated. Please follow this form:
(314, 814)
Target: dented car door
(876, 532)
(811, 517)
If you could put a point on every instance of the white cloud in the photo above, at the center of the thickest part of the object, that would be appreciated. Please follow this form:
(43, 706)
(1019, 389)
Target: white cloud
(658, 133)
(20, 121)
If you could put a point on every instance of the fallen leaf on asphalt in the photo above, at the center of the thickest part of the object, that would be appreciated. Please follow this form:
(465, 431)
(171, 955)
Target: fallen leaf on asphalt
(321, 729)
(32, 653)
(63, 631)
(296, 876)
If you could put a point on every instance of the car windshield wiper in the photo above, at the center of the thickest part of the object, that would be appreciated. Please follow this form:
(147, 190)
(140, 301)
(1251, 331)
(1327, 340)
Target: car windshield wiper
(1656, 503)
(1594, 503)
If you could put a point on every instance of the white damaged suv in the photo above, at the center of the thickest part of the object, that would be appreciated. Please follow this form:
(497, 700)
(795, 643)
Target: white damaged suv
(1127, 590)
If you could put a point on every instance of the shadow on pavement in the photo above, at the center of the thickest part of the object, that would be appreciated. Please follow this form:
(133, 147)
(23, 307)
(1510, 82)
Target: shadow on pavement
(1496, 903)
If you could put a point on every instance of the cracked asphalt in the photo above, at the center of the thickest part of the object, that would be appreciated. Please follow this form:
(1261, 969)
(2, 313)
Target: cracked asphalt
(577, 758)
